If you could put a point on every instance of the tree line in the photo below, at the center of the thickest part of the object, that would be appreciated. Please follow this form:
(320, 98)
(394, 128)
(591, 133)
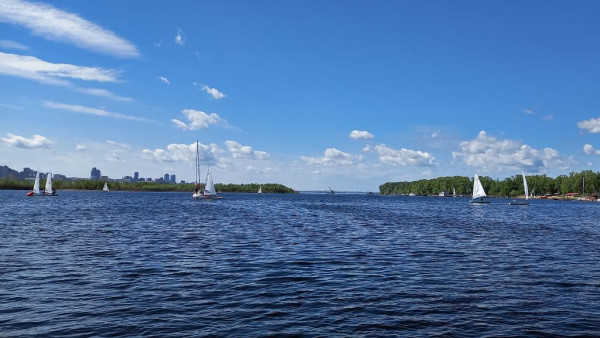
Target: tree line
(509, 187)
(15, 184)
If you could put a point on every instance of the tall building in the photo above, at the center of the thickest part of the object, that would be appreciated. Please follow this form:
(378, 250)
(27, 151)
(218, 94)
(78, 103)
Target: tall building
(136, 175)
(173, 179)
(95, 175)
(166, 178)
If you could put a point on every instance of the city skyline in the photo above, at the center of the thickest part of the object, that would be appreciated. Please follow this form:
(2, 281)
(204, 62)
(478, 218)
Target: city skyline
(307, 94)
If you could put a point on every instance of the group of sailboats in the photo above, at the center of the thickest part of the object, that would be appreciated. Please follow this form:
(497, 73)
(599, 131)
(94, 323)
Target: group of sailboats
(479, 192)
(209, 191)
(48, 190)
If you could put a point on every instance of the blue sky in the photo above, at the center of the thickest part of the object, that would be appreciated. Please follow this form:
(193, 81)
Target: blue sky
(311, 94)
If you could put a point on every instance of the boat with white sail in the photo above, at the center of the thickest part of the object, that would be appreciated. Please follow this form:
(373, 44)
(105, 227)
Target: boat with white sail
(48, 190)
(209, 191)
(36, 186)
(478, 192)
(105, 188)
(260, 189)
(526, 201)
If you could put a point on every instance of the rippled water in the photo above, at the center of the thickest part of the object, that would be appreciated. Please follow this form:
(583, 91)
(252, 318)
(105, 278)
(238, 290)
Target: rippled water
(122, 263)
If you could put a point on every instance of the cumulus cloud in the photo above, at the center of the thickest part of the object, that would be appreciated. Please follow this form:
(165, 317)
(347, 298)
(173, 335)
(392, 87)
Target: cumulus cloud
(591, 125)
(590, 150)
(360, 135)
(239, 151)
(179, 38)
(184, 153)
(164, 79)
(32, 68)
(214, 92)
(37, 141)
(54, 24)
(9, 44)
(404, 157)
(92, 111)
(488, 153)
(332, 157)
(197, 120)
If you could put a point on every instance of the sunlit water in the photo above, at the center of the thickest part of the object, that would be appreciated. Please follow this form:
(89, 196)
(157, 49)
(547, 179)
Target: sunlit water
(123, 263)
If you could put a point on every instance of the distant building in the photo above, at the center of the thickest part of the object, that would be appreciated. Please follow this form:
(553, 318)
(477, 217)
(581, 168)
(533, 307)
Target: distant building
(95, 175)
(27, 173)
(5, 171)
(166, 178)
(173, 179)
(149, 179)
(136, 175)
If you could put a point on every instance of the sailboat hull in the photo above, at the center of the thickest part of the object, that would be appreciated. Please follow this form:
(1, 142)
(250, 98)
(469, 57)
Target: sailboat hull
(480, 202)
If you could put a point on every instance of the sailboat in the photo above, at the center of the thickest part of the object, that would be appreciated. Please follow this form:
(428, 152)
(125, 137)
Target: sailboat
(209, 191)
(331, 191)
(525, 202)
(478, 192)
(453, 192)
(48, 191)
(105, 189)
(260, 189)
(36, 186)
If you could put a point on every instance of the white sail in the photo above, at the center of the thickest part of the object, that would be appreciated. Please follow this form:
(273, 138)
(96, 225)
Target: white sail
(525, 185)
(36, 184)
(48, 189)
(209, 189)
(453, 191)
(260, 189)
(477, 188)
(105, 187)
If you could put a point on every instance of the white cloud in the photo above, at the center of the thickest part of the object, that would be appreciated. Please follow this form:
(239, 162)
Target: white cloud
(104, 93)
(214, 92)
(179, 38)
(9, 44)
(529, 111)
(57, 25)
(184, 153)
(590, 150)
(197, 120)
(361, 135)
(164, 79)
(239, 151)
(591, 125)
(333, 157)
(548, 118)
(404, 157)
(32, 68)
(488, 153)
(93, 111)
(81, 147)
(37, 141)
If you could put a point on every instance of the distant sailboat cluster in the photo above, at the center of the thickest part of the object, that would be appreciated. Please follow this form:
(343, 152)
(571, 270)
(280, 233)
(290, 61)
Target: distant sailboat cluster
(48, 190)
(479, 192)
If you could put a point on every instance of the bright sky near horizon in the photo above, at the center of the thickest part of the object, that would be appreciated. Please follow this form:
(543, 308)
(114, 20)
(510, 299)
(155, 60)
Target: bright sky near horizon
(310, 94)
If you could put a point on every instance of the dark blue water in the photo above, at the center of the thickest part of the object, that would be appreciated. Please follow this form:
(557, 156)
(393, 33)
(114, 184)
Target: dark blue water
(162, 264)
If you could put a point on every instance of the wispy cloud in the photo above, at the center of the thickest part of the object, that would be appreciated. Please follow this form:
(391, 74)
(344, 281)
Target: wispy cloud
(164, 79)
(548, 118)
(184, 153)
(179, 38)
(214, 92)
(488, 153)
(93, 111)
(529, 111)
(403, 156)
(332, 157)
(9, 44)
(104, 93)
(590, 150)
(32, 68)
(237, 150)
(360, 135)
(37, 141)
(54, 24)
(592, 125)
(197, 120)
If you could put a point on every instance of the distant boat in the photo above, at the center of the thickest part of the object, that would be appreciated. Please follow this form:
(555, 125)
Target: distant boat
(412, 194)
(525, 202)
(105, 189)
(444, 194)
(209, 187)
(209, 191)
(453, 192)
(48, 190)
(478, 192)
(260, 189)
(36, 186)
(331, 191)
